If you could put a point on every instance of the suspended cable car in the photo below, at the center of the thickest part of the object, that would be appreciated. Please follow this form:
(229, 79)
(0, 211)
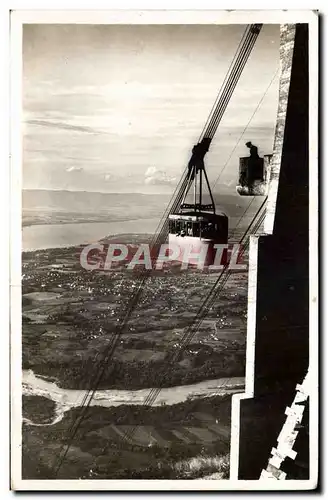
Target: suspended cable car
(196, 226)
(253, 173)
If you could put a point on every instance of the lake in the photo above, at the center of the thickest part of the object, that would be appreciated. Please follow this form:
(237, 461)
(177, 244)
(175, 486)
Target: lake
(39, 237)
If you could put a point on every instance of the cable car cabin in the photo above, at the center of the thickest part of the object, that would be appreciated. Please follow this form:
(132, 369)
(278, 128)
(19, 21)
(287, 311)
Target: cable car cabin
(196, 233)
(254, 176)
(197, 228)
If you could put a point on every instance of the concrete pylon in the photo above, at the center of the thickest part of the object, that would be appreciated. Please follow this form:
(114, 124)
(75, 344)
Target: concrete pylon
(281, 306)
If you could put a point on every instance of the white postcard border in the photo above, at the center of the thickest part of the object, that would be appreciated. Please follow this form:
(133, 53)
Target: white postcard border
(20, 17)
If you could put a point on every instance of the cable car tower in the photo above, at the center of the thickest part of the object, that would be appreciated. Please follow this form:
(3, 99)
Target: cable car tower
(196, 226)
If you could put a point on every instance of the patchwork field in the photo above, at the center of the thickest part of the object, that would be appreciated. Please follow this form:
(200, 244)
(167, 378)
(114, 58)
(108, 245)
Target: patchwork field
(70, 317)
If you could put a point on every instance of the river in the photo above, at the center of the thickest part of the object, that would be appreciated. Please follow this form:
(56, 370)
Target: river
(66, 399)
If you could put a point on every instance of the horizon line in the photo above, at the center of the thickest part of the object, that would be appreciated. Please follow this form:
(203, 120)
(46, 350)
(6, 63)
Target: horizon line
(100, 192)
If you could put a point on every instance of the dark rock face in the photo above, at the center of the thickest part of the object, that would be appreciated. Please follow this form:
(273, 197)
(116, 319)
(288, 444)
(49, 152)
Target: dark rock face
(282, 316)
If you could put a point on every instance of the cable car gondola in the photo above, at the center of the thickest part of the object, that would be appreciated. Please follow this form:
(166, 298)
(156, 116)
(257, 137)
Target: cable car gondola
(196, 228)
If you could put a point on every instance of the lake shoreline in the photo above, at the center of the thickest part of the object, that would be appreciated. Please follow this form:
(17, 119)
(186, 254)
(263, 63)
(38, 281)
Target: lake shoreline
(38, 237)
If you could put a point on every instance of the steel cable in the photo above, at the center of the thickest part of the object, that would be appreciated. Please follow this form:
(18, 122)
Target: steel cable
(161, 234)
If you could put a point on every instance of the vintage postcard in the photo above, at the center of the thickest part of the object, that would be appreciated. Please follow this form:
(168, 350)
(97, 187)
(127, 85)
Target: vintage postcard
(164, 250)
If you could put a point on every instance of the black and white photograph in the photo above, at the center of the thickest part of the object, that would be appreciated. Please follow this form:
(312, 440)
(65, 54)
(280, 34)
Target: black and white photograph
(164, 250)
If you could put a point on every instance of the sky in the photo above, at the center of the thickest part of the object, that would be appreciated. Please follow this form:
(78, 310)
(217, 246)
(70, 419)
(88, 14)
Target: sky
(117, 108)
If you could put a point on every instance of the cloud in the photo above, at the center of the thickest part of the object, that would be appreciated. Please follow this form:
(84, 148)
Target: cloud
(74, 169)
(156, 176)
(63, 126)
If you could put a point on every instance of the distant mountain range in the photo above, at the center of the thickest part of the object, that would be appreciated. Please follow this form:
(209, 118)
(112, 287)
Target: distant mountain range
(127, 204)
